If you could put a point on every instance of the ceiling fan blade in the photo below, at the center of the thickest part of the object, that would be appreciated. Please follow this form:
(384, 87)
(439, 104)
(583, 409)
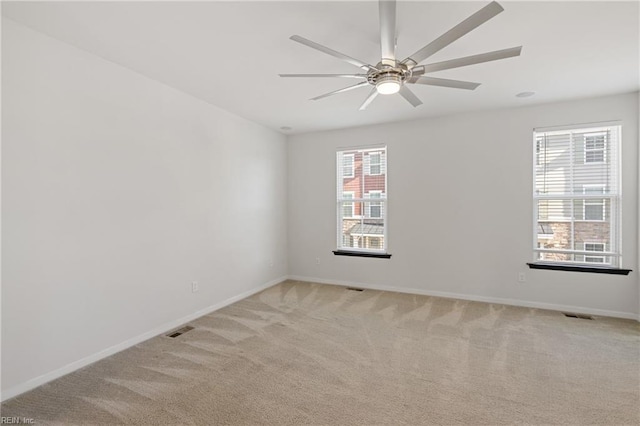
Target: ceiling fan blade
(369, 99)
(409, 96)
(345, 89)
(321, 48)
(387, 9)
(469, 24)
(443, 82)
(469, 60)
(417, 71)
(325, 75)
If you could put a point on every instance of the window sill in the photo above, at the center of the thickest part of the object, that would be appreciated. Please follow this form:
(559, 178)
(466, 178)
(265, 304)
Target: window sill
(578, 268)
(361, 254)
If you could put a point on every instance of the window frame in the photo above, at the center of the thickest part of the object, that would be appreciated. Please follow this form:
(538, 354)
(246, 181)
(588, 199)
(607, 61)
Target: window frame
(611, 197)
(382, 202)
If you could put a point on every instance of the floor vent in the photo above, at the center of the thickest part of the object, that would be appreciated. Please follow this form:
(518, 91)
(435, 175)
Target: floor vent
(180, 331)
(355, 289)
(579, 316)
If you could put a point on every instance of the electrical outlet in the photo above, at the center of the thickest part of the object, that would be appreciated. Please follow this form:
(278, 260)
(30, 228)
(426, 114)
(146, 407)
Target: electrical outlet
(194, 286)
(317, 260)
(522, 277)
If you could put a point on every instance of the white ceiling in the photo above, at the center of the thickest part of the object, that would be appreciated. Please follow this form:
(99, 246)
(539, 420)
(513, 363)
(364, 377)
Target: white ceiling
(230, 53)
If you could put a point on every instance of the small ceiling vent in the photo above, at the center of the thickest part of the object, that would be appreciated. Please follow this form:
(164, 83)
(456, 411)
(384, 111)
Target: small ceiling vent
(579, 316)
(180, 331)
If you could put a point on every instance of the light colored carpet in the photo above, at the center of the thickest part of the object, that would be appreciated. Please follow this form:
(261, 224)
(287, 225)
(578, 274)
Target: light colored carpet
(302, 353)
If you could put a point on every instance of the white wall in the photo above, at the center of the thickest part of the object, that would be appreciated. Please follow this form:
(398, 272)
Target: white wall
(460, 208)
(118, 191)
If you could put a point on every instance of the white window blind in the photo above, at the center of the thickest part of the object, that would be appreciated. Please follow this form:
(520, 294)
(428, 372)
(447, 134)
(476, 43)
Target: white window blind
(577, 195)
(362, 199)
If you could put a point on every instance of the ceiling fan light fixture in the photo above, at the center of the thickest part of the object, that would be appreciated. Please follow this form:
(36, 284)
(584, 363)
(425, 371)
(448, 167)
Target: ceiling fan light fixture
(388, 84)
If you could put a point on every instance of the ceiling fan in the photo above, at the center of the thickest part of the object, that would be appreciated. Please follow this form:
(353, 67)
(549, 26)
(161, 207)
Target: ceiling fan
(391, 76)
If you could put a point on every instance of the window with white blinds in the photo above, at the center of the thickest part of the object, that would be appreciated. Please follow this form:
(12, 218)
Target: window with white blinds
(576, 195)
(362, 199)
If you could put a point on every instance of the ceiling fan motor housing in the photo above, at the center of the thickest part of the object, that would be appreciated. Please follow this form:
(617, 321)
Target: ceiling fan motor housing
(390, 76)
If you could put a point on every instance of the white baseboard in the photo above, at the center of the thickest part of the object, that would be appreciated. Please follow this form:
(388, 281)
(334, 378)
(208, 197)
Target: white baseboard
(475, 298)
(52, 375)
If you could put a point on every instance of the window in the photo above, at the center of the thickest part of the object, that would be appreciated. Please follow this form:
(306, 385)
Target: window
(347, 206)
(538, 151)
(347, 165)
(375, 163)
(593, 208)
(361, 220)
(375, 242)
(597, 247)
(594, 147)
(373, 208)
(576, 195)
